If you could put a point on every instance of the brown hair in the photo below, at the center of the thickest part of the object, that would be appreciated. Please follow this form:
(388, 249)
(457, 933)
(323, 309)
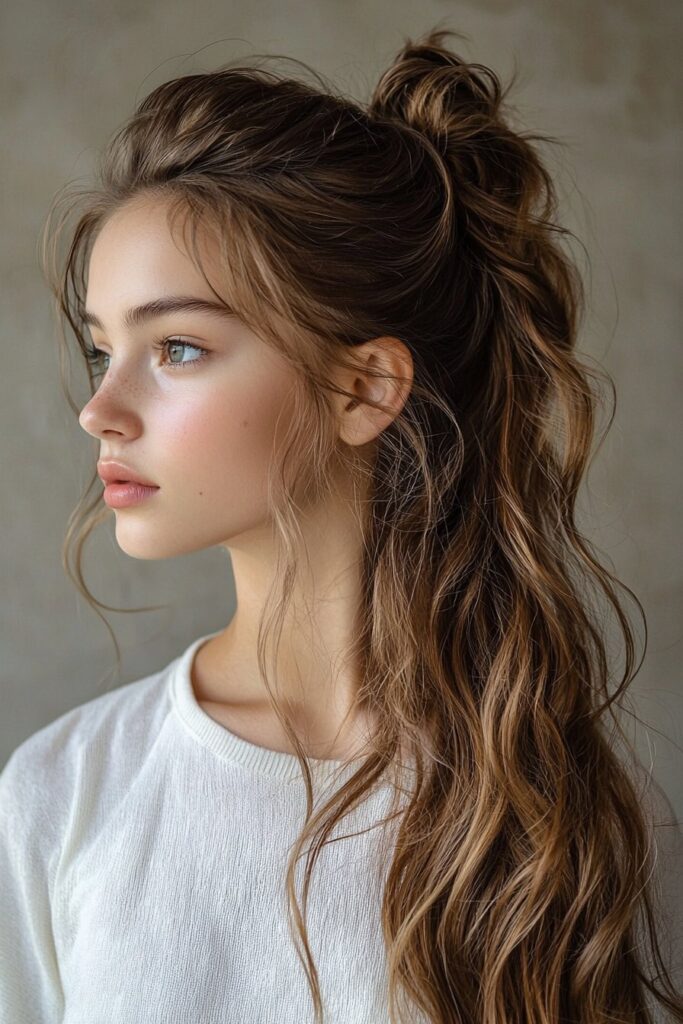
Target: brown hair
(520, 861)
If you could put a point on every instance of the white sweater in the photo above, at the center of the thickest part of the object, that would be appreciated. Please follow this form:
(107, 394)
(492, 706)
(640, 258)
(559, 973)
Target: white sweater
(142, 857)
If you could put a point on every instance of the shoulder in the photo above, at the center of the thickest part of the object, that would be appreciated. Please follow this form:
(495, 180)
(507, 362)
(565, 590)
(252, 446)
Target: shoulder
(87, 745)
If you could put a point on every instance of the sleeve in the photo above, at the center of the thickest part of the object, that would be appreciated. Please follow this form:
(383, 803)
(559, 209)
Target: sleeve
(30, 986)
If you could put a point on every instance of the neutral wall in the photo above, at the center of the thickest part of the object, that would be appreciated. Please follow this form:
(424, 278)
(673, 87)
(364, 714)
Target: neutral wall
(603, 78)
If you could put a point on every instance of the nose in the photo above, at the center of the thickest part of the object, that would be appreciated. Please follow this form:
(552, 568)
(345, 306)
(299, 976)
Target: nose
(86, 418)
(91, 416)
(105, 413)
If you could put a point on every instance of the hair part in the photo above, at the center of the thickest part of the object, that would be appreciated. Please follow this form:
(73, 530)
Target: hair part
(520, 858)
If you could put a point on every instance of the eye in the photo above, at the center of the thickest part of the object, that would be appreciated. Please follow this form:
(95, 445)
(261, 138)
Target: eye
(170, 343)
(94, 355)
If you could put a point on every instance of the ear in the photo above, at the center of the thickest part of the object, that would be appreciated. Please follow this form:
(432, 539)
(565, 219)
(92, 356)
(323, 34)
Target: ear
(359, 422)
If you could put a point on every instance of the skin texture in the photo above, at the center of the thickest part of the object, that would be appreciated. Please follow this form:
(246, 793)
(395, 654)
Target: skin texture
(204, 433)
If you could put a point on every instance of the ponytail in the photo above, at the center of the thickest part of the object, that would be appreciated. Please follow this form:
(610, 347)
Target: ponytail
(522, 902)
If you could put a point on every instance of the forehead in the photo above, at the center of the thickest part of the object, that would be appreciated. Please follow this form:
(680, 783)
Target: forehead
(140, 253)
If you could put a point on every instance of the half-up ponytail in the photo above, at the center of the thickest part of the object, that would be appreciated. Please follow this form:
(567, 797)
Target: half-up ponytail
(522, 859)
(539, 859)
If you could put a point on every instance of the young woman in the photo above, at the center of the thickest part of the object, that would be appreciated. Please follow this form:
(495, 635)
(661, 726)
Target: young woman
(338, 341)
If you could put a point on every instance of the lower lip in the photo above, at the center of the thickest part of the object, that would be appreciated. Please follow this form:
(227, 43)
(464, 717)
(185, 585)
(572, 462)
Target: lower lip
(123, 495)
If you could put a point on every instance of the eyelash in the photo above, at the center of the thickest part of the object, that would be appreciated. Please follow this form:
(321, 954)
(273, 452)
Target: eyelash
(93, 354)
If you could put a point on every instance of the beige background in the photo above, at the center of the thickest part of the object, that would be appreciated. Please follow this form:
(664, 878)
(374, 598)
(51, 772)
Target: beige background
(602, 77)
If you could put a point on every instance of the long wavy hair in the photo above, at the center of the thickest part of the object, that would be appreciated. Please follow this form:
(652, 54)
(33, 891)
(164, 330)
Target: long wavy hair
(521, 856)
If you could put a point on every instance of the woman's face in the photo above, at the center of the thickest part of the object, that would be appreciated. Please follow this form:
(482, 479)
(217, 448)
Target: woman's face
(202, 429)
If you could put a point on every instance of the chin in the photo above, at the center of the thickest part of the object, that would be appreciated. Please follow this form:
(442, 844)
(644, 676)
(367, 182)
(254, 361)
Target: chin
(143, 541)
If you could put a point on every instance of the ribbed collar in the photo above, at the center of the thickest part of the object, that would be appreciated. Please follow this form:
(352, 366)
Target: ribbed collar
(227, 745)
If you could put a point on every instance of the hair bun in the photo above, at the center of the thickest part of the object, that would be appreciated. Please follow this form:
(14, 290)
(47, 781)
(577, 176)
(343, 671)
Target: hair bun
(429, 87)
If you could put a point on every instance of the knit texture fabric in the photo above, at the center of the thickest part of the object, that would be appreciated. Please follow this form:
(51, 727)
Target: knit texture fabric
(142, 856)
(143, 849)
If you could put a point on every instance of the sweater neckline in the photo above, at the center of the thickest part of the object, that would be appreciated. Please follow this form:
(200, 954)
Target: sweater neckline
(226, 744)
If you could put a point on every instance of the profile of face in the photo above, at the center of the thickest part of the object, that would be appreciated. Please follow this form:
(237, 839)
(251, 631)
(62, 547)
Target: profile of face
(198, 417)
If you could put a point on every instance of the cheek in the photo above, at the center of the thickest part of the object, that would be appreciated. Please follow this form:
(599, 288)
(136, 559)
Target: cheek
(225, 438)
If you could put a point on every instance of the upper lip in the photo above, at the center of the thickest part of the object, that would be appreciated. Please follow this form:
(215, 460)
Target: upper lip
(111, 472)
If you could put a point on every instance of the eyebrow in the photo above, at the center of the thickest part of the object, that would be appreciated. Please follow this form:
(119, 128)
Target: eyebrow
(138, 315)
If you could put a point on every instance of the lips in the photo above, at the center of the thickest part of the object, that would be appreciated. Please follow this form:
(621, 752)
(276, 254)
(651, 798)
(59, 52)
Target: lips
(111, 472)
